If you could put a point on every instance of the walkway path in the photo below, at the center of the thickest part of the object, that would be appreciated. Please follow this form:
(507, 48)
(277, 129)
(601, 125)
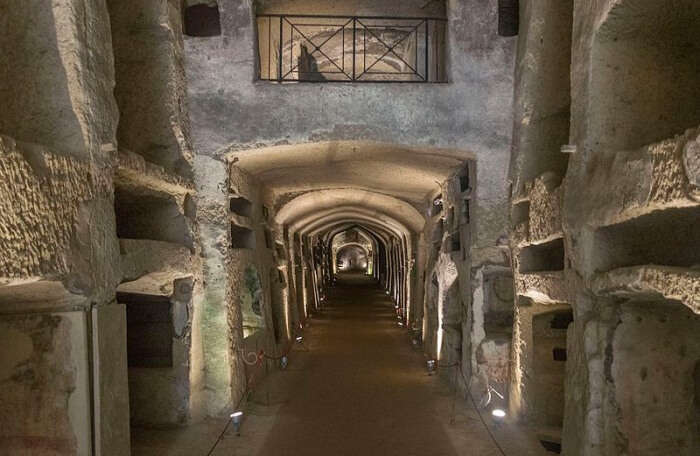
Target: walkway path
(365, 390)
(360, 390)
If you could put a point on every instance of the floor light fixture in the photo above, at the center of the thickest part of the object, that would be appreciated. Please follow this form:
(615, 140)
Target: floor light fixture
(499, 414)
(236, 419)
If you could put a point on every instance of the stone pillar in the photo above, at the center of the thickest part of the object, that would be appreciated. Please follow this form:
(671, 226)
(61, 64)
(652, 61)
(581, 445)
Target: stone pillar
(63, 375)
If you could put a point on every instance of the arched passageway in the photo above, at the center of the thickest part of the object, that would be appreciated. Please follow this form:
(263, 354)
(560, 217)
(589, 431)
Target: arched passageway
(351, 249)
(200, 224)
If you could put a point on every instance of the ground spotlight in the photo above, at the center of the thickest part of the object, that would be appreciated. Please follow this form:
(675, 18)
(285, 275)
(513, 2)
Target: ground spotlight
(431, 364)
(498, 414)
(400, 323)
(236, 419)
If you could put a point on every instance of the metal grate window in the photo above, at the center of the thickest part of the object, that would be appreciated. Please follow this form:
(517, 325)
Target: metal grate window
(304, 48)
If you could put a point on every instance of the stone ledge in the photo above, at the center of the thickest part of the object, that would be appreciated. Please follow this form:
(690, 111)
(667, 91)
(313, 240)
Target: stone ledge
(651, 282)
(154, 284)
(542, 287)
(140, 257)
(34, 294)
(659, 176)
(133, 169)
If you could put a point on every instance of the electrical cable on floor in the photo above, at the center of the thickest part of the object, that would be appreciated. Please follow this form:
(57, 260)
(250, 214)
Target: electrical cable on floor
(277, 358)
(458, 367)
(230, 420)
(258, 361)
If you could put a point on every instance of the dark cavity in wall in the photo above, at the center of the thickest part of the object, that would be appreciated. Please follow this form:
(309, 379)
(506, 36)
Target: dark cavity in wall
(668, 238)
(455, 244)
(559, 354)
(466, 217)
(241, 206)
(562, 320)
(202, 20)
(154, 216)
(268, 239)
(464, 183)
(543, 257)
(242, 237)
(508, 17)
(149, 330)
(552, 447)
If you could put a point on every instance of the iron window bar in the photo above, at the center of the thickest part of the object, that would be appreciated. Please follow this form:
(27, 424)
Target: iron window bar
(315, 48)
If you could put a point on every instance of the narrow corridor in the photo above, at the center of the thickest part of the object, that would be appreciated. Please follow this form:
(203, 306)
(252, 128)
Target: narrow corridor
(353, 387)
(364, 391)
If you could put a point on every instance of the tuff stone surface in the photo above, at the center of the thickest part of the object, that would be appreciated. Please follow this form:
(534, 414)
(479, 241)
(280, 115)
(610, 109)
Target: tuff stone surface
(546, 287)
(649, 282)
(151, 84)
(43, 193)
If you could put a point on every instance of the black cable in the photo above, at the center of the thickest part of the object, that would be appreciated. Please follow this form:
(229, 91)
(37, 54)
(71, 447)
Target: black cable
(458, 365)
(228, 423)
(277, 358)
(236, 408)
(478, 412)
(245, 396)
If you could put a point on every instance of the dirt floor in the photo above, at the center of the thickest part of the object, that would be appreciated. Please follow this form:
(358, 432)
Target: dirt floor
(354, 387)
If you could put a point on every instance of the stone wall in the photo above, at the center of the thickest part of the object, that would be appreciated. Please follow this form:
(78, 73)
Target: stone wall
(615, 236)
(151, 84)
(60, 260)
(156, 215)
(231, 111)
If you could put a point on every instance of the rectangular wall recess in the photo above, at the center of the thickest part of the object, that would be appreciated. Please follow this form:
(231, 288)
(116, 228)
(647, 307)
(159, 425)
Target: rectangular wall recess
(241, 206)
(151, 216)
(242, 237)
(542, 257)
(149, 330)
(666, 238)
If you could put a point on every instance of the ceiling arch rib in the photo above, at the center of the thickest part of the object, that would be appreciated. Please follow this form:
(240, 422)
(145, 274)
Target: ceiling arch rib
(316, 225)
(379, 233)
(319, 202)
(354, 244)
(368, 231)
(360, 165)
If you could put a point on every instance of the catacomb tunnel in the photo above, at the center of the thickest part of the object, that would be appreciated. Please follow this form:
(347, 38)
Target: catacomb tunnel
(310, 227)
